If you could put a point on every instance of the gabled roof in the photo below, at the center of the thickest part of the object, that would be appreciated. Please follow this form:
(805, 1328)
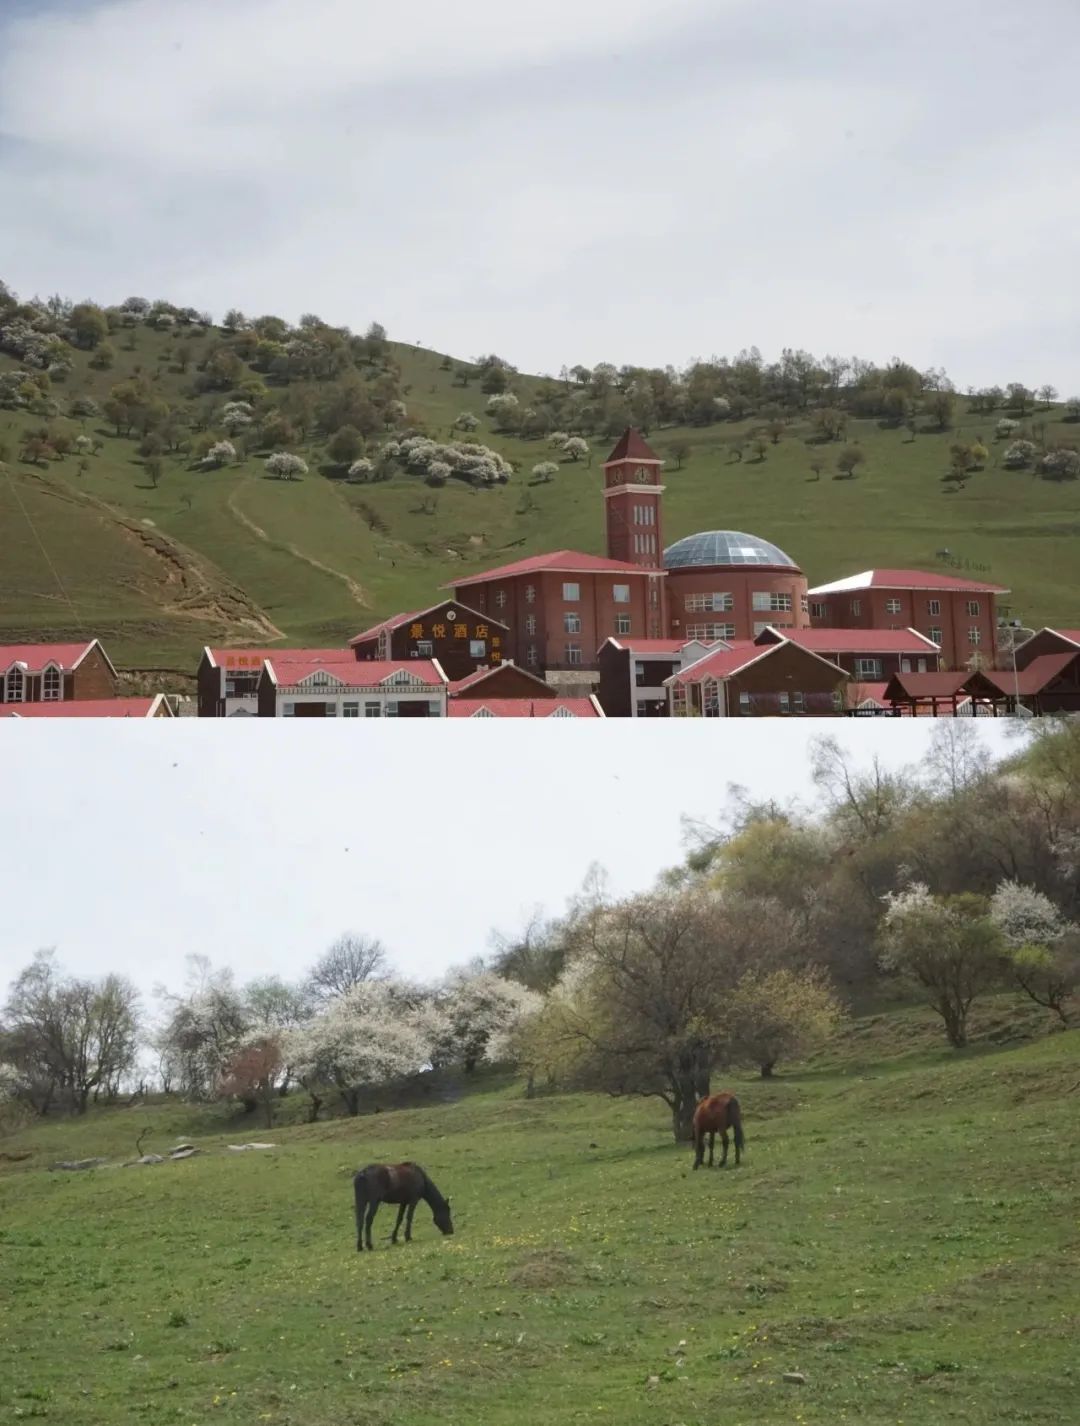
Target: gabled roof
(396, 621)
(659, 648)
(524, 708)
(1033, 679)
(852, 641)
(632, 445)
(1068, 636)
(482, 675)
(36, 657)
(906, 579)
(722, 664)
(353, 673)
(926, 685)
(150, 707)
(555, 562)
(859, 693)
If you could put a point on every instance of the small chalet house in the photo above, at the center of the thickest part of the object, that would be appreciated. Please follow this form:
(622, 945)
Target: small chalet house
(55, 673)
(512, 692)
(151, 707)
(460, 638)
(309, 686)
(633, 673)
(1050, 683)
(748, 680)
(958, 615)
(869, 655)
(227, 681)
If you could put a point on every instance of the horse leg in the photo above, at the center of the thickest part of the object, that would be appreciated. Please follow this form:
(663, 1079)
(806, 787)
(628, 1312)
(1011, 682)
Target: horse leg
(723, 1141)
(373, 1208)
(397, 1225)
(699, 1148)
(712, 1146)
(408, 1221)
(361, 1209)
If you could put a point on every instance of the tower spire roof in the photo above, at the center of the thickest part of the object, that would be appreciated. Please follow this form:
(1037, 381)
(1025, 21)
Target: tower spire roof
(632, 445)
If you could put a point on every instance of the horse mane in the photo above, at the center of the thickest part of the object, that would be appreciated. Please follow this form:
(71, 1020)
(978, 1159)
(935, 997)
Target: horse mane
(430, 1192)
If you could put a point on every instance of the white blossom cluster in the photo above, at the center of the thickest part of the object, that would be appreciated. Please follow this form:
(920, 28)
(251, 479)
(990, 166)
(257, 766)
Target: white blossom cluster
(468, 460)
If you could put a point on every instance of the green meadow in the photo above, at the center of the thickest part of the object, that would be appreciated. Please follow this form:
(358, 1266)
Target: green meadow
(232, 555)
(902, 1234)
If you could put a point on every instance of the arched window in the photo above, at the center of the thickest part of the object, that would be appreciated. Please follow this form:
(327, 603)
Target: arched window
(51, 685)
(16, 686)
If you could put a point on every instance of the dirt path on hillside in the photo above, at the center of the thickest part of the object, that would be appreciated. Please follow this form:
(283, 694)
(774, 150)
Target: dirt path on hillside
(351, 585)
(190, 585)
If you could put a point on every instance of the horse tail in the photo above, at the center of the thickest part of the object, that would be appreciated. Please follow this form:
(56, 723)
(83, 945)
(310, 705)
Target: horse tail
(735, 1114)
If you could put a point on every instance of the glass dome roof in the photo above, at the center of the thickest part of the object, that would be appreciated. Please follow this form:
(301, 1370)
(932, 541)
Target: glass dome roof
(729, 547)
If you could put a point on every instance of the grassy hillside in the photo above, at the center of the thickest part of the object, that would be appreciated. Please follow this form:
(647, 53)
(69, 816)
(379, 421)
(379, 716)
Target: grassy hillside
(232, 555)
(902, 1233)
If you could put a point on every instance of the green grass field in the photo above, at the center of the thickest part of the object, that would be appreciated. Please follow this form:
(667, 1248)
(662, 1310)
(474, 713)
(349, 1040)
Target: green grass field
(231, 555)
(903, 1232)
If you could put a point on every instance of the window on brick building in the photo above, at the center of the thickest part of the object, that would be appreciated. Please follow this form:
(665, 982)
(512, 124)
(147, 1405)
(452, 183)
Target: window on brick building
(530, 623)
(621, 593)
(477, 649)
(573, 654)
(785, 703)
(532, 658)
(973, 608)
(856, 607)
(500, 598)
(818, 610)
(709, 603)
(867, 668)
(744, 704)
(933, 607)
(892, 606)
(974, 635)
(935, 636)
(763, 599)
(799, 702)
(571, 592)
(16, 686)
(425, 649)
(622, 623)
(708, 632)
(571, 623)
(530, 594)
(51, 685)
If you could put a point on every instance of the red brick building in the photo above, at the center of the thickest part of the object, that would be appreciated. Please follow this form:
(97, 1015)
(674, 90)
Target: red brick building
(56, 673)
(633, 673)
(959, 615)
(460, 638)
(1046, 641)
(511, 692)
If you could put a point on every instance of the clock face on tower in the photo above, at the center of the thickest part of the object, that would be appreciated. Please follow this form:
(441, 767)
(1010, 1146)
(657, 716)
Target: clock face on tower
(641, 474)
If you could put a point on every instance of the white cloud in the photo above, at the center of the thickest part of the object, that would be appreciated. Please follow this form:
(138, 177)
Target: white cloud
(560, 181)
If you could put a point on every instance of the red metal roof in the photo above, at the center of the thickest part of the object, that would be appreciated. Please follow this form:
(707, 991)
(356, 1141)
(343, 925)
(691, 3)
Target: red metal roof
(255, 658)
(83, 708)
(632, 445)
(926, 685)
(36, 656)
(723, 663)
(854, 641)
(555, 562)
(906, 579)
(522, 707)
(353, 673)
(1035, 677)
(649, 646)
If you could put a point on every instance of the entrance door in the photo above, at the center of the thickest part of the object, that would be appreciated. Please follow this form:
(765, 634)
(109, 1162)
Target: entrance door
(310, 710)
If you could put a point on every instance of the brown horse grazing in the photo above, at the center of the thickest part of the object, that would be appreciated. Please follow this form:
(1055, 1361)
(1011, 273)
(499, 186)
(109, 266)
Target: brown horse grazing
(403, 1184)
(716, 1115)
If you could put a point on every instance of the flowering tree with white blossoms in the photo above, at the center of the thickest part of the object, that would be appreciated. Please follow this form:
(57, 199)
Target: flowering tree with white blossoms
(236, 416)
(545, 470)
(219, 454)
(377, 1032)
(1042, 945)
(480, 1008)
(950, 945)
(361, 469)
(285, 466)
(575, 448)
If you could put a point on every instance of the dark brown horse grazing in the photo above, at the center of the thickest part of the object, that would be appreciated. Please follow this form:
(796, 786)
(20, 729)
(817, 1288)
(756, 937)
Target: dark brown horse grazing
(716, 1115)
(403, 1184)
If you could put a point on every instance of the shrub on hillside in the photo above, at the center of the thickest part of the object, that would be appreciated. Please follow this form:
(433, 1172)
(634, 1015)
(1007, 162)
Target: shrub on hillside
(220, 453)
(1019, 455)
(1061, 464)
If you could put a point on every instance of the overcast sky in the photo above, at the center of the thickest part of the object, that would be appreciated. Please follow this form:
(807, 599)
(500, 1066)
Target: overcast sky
(559, 181)
(128, 846)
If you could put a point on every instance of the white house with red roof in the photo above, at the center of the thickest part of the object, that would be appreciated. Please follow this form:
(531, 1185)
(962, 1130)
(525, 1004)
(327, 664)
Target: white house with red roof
(311, 686)
(959, 615)
(227, 679)
(525, 707)
(56, 673)
(633, 673)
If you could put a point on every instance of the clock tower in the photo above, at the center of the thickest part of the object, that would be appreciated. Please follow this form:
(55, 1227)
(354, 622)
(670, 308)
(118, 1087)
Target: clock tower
(632, 500)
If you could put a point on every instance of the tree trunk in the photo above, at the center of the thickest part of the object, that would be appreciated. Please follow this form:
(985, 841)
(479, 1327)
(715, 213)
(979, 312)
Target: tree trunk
(767, 1069)
(352, 1100)
(683, 1102)
(470, 1063)
(268, 1110)
(313, 1108)
(530, 1086)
